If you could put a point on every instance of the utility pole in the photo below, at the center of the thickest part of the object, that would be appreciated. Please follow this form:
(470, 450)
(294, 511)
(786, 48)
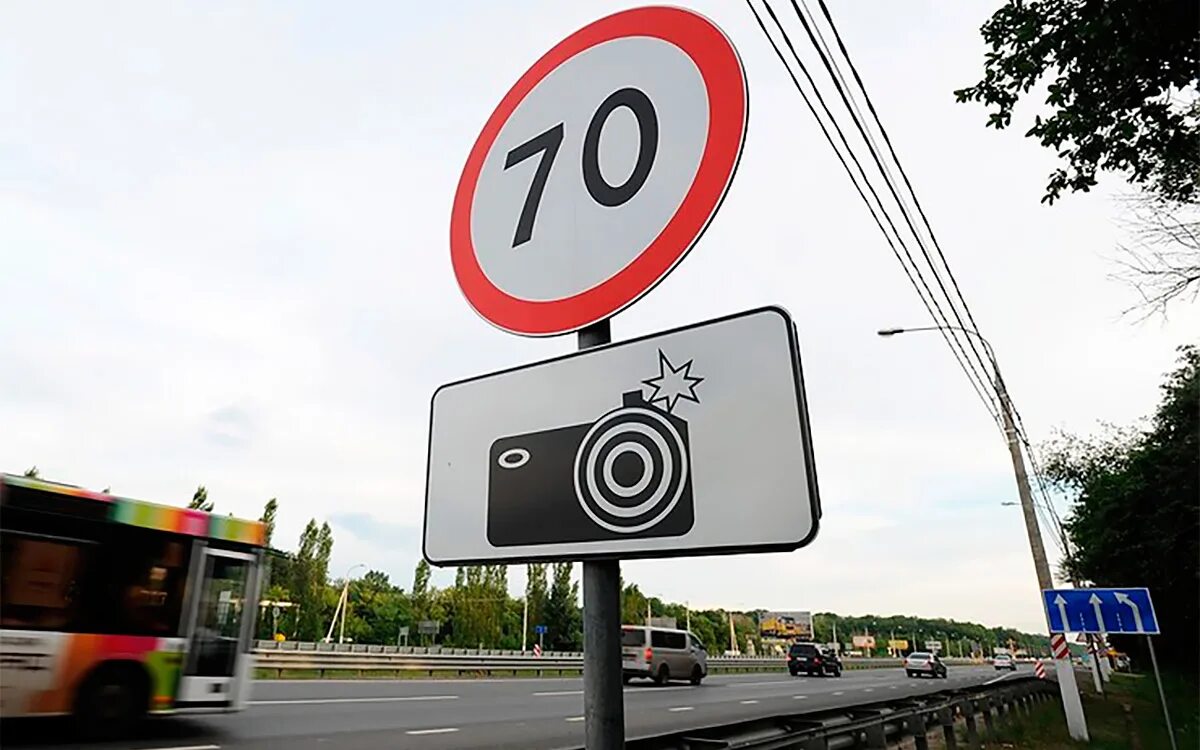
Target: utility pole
(1072, 707)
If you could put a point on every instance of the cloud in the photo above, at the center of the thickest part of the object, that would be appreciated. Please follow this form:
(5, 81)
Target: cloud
(232, 269)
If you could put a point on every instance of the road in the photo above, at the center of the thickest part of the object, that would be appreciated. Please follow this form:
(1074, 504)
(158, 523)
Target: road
(499, 714)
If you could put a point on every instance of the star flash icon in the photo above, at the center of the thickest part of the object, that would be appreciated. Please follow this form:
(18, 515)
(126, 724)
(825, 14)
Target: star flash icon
(673, 383)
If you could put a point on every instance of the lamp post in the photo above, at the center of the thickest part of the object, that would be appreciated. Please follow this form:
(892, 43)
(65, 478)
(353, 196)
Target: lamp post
(1076, 723)
(342, 605)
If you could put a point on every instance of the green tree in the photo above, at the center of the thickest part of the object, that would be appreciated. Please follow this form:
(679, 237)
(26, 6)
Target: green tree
(535, 592)
(633, 605)
(32, 472)
(268, 518)
(564, 622)
(1122, 91)
(421, 594)
(310, 579)
(1134, 521)
(200, 500)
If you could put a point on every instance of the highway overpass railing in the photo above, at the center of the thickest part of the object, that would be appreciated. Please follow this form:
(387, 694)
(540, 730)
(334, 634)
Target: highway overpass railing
(293, 658)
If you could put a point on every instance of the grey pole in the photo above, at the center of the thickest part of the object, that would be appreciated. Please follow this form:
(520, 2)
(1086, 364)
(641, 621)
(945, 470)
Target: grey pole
(603, 699)
(1161, 695)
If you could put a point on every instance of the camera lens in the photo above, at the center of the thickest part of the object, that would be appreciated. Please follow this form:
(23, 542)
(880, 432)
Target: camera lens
(630, 469)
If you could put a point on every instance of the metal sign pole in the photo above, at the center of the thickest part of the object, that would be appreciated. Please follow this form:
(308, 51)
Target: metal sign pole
(1161, 695)
(603, 699)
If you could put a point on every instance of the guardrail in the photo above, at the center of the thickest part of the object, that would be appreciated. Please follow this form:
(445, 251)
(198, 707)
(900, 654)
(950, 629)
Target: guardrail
(284, 657)
(874, 725)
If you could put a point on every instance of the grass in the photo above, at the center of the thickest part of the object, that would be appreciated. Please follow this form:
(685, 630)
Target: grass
(1108, 726)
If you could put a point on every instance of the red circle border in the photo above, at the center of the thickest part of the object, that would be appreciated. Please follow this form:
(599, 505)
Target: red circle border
(725, 81)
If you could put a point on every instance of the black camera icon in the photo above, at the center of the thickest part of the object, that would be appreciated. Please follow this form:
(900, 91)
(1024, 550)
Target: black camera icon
(626, 475)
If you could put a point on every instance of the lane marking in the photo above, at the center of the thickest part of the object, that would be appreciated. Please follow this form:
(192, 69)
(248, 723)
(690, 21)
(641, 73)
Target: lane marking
(190, 747)
(547, 693)
(574, 718)
(443, 730)
(997, 679)
(840, 692)
(799, 697)
(656, 689)
(758, 684)
(868, 690)
(682, 708)
(387, 699)
(747, 703)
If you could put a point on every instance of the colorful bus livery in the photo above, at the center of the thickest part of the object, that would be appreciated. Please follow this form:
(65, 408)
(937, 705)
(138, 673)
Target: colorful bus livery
(112, 608)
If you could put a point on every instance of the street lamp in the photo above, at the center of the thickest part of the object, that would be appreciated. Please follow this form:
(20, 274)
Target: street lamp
(342, 605)
(1066, 674)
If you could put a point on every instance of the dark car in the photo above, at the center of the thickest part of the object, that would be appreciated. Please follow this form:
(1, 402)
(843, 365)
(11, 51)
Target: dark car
(813, 660)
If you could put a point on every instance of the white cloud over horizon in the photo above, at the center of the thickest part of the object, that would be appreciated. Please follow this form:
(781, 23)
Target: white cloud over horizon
(224, 237)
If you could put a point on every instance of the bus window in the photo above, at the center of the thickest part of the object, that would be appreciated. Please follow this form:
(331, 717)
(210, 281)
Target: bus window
(41, 581)
(146, 575)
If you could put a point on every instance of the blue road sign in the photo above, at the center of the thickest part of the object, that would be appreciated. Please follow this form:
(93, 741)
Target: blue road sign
(1100, 611)
(539, 629)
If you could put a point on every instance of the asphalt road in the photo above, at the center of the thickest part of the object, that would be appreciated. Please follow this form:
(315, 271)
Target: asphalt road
(502, 713)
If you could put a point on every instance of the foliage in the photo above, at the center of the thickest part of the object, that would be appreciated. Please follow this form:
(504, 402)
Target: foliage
(1137, 500)
(1161, 258)
(268, 518)
(564, 622)
(310, 575)
(200, 500)
(1122, 94)
(536, 593)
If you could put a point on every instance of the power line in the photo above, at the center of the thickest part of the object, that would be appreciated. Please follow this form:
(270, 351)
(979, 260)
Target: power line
(833, 69)
(931, 304)
(891, 150)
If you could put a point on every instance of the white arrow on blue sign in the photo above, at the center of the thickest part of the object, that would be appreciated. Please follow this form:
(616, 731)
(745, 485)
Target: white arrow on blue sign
(1100, 611)
(539, 629)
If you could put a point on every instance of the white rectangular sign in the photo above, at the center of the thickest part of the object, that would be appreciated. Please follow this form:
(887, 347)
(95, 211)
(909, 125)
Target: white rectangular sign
(690, 442)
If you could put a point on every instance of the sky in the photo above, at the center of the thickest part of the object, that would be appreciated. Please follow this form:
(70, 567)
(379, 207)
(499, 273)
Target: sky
(224, 242)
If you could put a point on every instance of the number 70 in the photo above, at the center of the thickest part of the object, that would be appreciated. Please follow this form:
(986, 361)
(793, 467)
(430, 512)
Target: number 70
(602, 192)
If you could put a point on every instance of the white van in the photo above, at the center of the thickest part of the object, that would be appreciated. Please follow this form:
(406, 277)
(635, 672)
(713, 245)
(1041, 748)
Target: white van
(662, 654)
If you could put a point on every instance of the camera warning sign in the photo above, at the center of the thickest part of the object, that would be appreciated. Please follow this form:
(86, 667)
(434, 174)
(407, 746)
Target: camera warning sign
(690, 442)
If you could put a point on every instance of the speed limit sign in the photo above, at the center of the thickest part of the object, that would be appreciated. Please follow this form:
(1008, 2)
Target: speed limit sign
(598, 171)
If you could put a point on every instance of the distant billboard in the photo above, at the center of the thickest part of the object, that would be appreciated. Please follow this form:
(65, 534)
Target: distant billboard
(864, 641)
(786, 625)
(898, 644)
(663, 622)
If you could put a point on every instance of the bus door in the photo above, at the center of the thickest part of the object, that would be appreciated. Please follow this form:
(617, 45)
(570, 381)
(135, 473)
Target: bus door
(219, 660)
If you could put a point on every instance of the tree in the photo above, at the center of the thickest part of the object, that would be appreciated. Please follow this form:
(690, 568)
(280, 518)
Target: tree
(1123, 94)
(310, 579)
(200, 500)
(535, 593)
(1134, 519)
(1161, 261)
(563, 620)
(268, 518)
(633, 605)
(32, 472)
(420, 591)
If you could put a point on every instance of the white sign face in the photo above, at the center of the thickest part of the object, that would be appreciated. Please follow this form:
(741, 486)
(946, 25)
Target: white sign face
(689, 442)
(599, 170)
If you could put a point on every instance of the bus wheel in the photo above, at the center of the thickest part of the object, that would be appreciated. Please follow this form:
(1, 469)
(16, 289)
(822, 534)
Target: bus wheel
(112, 700)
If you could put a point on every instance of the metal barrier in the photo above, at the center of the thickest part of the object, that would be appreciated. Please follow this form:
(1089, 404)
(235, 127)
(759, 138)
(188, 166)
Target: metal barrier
(874, 725)
(291, 656)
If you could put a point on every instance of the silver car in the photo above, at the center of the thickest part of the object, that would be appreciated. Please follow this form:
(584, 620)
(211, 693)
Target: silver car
(922, 662)
(662, 654)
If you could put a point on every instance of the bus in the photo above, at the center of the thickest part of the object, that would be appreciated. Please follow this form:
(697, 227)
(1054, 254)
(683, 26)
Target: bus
(112, 608)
